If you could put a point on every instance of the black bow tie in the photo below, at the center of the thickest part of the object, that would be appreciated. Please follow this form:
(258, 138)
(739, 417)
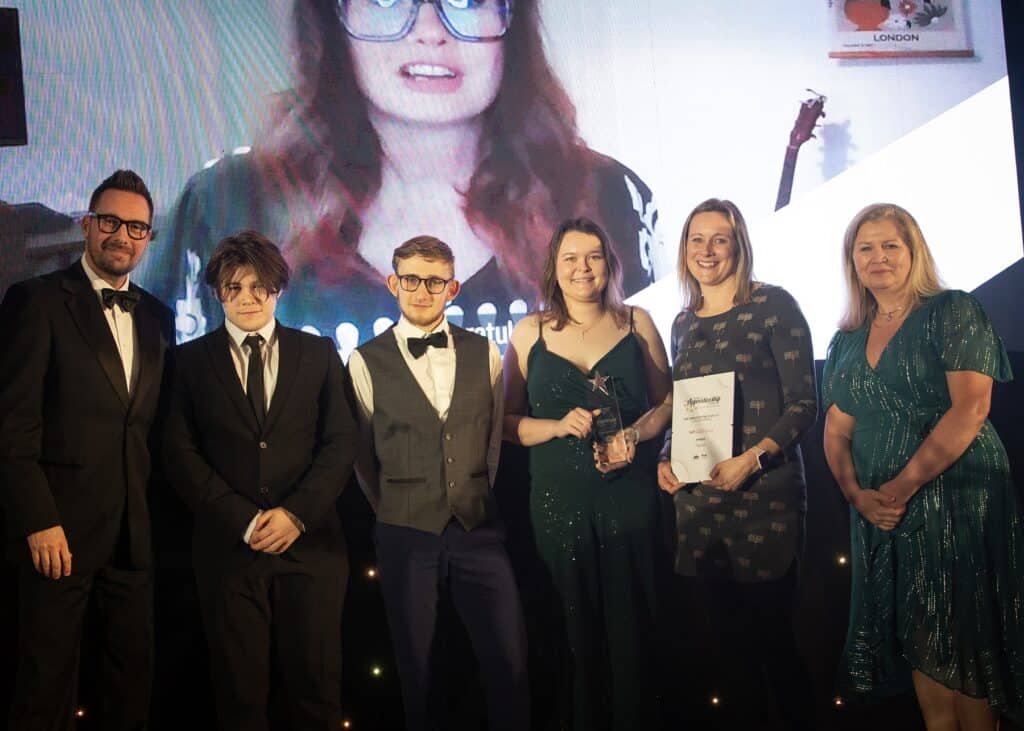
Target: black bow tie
(418, 346)
(126, 298)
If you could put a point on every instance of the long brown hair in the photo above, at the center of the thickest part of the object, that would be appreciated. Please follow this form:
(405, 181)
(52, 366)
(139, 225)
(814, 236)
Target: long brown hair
(692, 297)
(324, 153)
(861, 305)
(552, 300)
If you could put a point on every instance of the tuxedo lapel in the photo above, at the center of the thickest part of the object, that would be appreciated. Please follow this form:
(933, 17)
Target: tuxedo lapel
(219, 353)
(289, 352)
(87, 314)
(147, 330)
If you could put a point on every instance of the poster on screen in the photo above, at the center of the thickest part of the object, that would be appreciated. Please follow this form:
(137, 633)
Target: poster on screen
(875, 29)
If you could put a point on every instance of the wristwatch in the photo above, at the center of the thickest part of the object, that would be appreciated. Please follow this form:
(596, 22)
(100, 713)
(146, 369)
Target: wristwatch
(758, 454)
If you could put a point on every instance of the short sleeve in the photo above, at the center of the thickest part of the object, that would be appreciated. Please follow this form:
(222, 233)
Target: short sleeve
(964, 339)
(830, 373)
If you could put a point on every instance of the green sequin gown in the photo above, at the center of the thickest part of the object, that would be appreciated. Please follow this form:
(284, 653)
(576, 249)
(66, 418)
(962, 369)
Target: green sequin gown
(944, 592)
(597, 535)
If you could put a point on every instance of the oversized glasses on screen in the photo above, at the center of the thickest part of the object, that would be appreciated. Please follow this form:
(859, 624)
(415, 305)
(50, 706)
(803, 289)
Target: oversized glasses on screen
(391, 20)
(109, 224)
(434, 285)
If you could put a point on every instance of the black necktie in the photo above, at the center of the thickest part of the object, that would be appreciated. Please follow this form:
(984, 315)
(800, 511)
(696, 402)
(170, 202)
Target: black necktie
(126, 298)
(254, 387)
(418, 346)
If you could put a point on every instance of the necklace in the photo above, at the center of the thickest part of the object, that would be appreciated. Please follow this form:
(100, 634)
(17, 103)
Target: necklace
(588, 328)
(891, 313)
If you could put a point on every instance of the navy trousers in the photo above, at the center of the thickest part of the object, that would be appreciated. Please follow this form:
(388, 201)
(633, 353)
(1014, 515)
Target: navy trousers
(473, 567)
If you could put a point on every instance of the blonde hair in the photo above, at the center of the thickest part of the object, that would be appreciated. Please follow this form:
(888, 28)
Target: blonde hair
(924, 281)
(692, 297)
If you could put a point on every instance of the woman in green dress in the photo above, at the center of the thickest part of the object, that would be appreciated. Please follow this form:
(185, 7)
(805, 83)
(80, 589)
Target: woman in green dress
(936, 533)
(594, 513)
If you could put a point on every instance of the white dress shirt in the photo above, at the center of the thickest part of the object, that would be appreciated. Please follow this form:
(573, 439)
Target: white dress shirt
(122, 324)
(435, 373)
(268, 349)
(240, 357)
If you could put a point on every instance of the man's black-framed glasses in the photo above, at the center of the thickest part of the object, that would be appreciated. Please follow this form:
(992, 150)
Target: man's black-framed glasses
(410, 283)
(391, 20)
(109, 224)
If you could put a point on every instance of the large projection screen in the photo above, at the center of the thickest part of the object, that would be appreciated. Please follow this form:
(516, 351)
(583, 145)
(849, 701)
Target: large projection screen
(234, 113)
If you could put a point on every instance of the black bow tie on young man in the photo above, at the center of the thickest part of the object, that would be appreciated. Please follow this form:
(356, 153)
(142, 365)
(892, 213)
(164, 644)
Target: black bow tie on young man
(126, 298)
(418, 346)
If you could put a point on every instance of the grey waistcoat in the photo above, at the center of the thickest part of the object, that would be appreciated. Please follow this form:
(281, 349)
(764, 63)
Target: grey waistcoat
(431, 470)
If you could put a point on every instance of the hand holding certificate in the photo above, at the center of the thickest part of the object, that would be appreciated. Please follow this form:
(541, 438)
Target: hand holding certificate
(702, 428)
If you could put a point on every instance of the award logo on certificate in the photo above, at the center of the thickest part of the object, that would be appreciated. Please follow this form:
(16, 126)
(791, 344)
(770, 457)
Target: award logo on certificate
(702, 411)
(608, 420)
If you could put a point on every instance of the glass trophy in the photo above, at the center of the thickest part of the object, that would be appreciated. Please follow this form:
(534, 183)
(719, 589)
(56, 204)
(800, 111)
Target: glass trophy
(607, 418)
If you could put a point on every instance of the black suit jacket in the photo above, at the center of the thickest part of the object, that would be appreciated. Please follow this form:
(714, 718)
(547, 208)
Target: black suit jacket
(73, 443)
(226, 468)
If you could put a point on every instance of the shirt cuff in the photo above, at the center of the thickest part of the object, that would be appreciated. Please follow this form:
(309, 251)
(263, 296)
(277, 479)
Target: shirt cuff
(298, 523)
(251, 527)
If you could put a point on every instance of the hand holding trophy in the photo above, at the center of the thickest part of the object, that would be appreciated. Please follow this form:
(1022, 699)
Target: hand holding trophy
(614, 447)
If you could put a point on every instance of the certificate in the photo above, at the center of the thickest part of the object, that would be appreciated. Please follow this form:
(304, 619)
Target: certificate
(702, 411)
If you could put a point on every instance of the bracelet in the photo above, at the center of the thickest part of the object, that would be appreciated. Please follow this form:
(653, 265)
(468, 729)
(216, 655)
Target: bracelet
(636, 435)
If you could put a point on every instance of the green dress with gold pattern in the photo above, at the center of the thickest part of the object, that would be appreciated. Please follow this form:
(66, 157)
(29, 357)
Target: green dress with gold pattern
(943, 593)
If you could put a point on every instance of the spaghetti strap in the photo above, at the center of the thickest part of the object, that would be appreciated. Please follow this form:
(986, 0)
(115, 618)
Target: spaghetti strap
(631, 308)
(540, 328)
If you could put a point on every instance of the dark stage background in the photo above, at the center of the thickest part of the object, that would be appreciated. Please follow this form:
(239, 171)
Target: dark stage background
(691, 673)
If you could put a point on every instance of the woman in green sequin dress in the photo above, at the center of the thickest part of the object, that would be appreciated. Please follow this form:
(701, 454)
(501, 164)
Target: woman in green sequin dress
(936, 533)
(594, 512)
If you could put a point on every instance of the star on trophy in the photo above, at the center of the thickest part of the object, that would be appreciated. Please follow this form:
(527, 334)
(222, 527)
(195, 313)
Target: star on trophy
(607, 419)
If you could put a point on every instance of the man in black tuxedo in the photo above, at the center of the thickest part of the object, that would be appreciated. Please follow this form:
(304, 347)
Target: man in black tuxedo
(81, 368)
(260, 441)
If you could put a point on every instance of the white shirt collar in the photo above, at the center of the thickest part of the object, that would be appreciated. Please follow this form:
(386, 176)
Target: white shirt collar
(405, 329)
(238, 335)
(99, 283)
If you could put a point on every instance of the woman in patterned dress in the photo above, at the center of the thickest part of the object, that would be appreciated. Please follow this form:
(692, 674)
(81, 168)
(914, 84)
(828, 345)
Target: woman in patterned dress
(936, 534)
(740, 533)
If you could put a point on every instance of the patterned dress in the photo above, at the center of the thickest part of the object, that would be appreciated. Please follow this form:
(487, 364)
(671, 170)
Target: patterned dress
(944, 592)
(754, 533)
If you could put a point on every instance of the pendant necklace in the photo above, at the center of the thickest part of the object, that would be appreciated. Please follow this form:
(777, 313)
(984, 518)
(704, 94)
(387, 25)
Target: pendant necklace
(889, 315)
(588, 328)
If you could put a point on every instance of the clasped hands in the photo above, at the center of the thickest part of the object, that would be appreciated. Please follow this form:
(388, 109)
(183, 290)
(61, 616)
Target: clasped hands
(275, 531)
(608, 457)
(884, 507)
(727, 476)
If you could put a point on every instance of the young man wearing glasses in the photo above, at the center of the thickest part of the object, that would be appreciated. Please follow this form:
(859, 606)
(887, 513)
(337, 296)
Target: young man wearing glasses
(260, 442)
(430, 451)
(81, 367)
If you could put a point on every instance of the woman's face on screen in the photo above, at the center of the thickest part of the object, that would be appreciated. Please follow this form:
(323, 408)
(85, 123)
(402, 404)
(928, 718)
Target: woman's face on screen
(429, 76)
